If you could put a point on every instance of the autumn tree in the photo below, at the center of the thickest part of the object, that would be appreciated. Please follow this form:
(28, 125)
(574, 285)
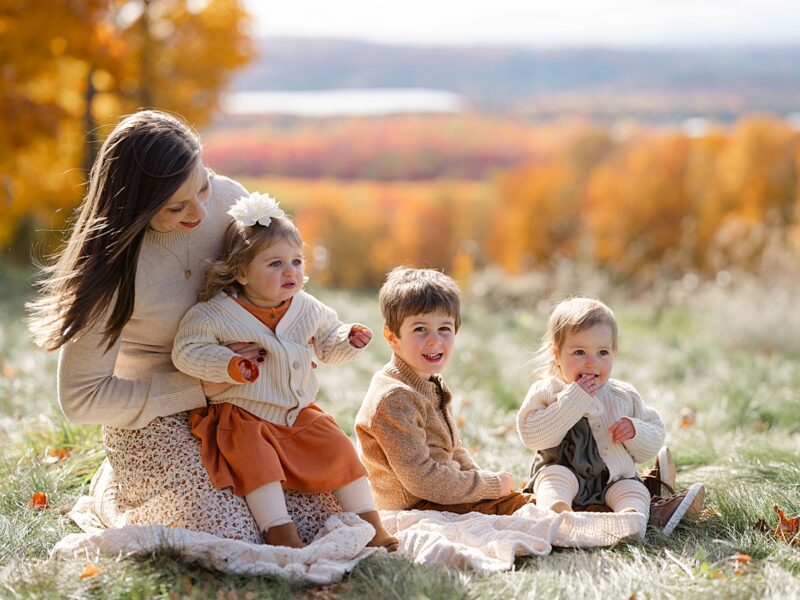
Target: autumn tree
(542, 205)
(638, 206)
(69, 65)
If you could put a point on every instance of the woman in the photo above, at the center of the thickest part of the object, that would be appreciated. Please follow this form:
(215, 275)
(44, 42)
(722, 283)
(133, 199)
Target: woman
(152, 218)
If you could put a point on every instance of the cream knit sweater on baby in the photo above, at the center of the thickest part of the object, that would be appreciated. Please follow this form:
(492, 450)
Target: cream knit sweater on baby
(551, 408)
(286, 383)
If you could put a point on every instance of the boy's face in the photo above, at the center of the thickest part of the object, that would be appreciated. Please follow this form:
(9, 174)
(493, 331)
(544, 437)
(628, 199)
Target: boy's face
(588, 353)
(425, 341)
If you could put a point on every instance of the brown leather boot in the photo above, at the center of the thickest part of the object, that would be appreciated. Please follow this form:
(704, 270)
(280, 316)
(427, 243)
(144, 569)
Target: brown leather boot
(381, 537)
(283, 535)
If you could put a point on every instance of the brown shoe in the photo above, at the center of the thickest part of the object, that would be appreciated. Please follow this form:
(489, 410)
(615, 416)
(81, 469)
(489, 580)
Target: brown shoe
(283, 535)
(660, 480)
(668, 511)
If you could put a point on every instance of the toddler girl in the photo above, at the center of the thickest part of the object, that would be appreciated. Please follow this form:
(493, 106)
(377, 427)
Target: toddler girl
(264, 433)
(589, 431)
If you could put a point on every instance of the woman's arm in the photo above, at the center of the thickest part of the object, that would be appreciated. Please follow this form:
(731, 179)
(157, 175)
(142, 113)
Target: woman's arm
(89, 392)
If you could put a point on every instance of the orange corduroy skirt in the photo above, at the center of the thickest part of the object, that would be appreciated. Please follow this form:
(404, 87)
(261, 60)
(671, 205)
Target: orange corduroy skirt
(244, 452)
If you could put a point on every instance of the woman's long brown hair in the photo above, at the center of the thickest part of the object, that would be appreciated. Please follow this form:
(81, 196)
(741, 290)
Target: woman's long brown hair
(141, 164)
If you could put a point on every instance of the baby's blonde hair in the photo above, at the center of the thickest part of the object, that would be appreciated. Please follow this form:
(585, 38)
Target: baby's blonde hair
(572, 315)
(240, 245)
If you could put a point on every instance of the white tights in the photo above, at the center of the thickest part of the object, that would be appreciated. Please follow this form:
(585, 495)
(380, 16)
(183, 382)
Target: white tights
(556, 487)
(268, 505)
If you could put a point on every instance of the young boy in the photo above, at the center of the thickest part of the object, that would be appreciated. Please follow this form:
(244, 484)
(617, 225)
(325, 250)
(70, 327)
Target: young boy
(407, 437)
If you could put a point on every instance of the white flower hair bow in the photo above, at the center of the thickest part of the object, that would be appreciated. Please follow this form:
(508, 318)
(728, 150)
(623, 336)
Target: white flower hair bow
(255, 208)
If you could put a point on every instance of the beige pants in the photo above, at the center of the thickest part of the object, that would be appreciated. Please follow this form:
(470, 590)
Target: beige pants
(556, 487)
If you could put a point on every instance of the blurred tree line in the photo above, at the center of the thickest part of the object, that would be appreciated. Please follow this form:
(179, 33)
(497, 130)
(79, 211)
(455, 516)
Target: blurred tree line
(68, 65)
(656, 203)
(642, 206)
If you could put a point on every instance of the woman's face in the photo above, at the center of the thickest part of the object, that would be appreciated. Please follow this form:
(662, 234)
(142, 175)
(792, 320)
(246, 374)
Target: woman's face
(185, 209)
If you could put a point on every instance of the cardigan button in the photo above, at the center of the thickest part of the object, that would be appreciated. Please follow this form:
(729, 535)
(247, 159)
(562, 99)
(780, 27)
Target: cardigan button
(296, 365)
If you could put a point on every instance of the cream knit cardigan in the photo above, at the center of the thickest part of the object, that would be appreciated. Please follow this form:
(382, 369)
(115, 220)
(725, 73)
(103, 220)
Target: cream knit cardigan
(551, 408)
(286, 383)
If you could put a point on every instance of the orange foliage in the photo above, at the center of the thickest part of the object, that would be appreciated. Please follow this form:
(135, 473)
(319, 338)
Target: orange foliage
(655, 203)
(69, 65)
(636, 204)
(358, 231)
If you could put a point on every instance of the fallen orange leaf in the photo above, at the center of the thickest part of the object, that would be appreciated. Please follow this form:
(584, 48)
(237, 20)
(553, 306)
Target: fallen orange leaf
(788, 528)
(90, 570)
(54, 455)
(38, 501)
(741, 563)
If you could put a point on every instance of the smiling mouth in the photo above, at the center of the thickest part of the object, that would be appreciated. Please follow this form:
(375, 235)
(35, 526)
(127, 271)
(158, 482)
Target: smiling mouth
(288, 285)
(433, 357)
(191, 223)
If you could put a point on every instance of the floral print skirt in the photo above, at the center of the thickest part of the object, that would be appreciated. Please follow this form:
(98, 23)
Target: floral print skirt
(154, 475)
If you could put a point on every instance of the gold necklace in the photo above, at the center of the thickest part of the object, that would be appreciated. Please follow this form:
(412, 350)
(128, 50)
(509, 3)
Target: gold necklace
(274, 309)
(187, 272)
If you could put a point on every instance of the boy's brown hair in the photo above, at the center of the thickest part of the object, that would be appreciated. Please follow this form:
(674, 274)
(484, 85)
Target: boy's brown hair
(407, 292)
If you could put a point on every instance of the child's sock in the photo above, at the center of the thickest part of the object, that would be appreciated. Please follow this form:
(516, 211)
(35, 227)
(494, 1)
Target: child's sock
(268, 506)
(355, 497)
(628, 495)
(555, 487)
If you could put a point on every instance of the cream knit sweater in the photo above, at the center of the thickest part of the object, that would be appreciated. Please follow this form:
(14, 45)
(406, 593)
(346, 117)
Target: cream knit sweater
(286, 382)
(410, 446)
(135, 381)
(551, 408)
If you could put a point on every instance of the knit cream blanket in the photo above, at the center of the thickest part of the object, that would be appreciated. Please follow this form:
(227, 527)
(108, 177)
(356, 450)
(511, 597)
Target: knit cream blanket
(474, 541)
(487, 543)
(338, 547)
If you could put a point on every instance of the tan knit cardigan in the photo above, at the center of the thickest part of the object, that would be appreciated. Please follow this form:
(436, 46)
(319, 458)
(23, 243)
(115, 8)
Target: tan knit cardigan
(410, 446)
(135, 381)
(286, 383)
(551, 408)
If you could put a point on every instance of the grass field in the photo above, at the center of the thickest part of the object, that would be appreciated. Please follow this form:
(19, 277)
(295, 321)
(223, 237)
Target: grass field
(725, 377)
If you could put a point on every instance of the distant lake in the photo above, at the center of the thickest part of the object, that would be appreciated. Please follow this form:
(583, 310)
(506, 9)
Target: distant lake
(344, 102)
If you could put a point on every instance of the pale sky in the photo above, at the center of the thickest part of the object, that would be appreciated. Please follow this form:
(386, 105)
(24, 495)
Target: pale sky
(535, 22)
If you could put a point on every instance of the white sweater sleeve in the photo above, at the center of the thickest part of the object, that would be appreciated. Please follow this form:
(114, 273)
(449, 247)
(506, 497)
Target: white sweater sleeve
(89, 392)
(331, 342)
(550, 410)
(197, 350)
(650, 429)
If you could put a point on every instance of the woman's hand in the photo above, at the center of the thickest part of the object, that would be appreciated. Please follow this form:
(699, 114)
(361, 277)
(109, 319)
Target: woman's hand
(248, 350)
